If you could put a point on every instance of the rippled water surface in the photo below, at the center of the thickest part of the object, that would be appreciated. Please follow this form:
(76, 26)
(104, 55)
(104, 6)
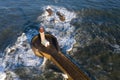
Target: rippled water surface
(91, 34)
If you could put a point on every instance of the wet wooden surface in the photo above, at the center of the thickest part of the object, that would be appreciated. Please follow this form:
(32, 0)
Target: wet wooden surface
(53, 53)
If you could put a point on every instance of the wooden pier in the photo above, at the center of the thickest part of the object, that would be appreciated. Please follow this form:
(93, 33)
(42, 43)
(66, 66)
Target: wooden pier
(53, 53)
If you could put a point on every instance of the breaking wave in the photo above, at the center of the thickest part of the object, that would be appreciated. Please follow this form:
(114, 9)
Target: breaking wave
(20, 53)
(61, 29)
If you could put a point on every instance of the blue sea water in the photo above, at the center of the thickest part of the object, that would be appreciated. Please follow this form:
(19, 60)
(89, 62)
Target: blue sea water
(20, 20)
(15, 15)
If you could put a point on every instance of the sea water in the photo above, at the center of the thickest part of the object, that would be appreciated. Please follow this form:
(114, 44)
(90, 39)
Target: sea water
(87, 21)
(20, 53)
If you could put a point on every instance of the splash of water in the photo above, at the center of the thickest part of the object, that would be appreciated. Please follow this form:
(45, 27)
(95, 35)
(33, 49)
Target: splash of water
(20, 53)
(61, 29)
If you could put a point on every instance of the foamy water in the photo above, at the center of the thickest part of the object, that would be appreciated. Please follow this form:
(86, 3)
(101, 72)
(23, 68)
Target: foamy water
(20, 53)
(61, 29)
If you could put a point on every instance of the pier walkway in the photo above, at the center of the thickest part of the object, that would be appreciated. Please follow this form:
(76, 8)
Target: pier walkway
(53, 53)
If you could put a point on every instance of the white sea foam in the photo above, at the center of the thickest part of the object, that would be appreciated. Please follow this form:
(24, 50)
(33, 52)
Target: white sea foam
(2, 76)
(61, 29)
(21, 54)
(116, 48)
